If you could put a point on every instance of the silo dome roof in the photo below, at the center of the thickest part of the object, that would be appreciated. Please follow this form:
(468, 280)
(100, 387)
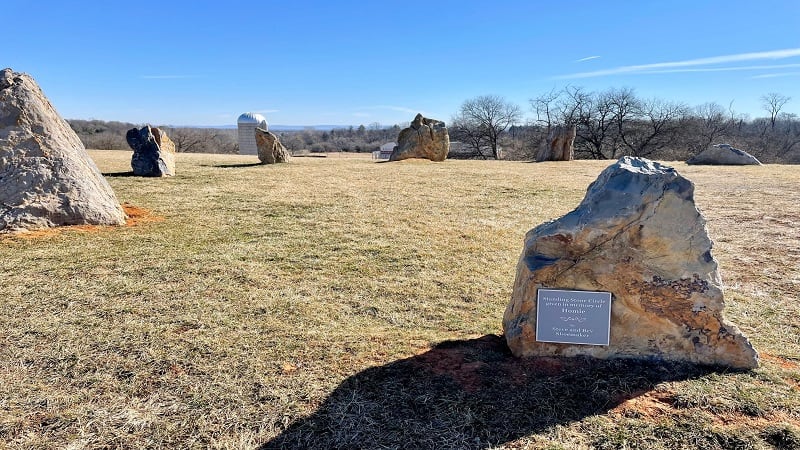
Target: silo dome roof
(249, 117)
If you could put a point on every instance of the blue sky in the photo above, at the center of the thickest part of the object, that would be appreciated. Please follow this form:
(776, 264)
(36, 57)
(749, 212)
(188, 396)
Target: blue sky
(320, 62)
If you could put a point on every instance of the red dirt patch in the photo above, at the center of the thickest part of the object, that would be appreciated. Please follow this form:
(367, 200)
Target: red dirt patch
(782, 363)
(647, 404)
(451, 362)
(467, 365)
(655, 404)
(136, 217)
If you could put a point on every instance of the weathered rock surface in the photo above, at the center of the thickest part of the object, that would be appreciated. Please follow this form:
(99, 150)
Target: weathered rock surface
(425, 138)
(46, 176)
(270, 149)
(724, 155)
(559, 144)
(638, 235)
(153, 152)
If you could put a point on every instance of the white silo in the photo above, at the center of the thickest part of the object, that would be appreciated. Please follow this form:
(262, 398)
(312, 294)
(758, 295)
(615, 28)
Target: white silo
(247, 123)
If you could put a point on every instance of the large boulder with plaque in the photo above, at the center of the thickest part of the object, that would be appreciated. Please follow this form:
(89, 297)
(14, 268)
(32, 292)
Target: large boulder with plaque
(628, 273)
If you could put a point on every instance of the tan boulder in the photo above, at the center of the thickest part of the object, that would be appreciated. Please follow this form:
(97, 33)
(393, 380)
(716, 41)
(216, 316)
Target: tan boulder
(558, 145)
(167, 148)
(270, 149)
(638, 235)
(425, 138)
(46, 176)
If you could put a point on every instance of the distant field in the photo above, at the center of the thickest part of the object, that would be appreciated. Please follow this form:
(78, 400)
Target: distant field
(307, 305)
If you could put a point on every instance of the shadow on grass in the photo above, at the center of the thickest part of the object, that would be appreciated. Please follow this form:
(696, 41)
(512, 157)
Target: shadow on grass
(120, 174)
(232, 166)
(471, 395)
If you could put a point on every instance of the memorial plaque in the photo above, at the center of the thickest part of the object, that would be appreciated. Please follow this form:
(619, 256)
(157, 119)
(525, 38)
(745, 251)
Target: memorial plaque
(573, 317)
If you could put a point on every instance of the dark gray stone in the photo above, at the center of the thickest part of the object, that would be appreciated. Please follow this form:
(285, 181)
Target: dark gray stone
(151, 155)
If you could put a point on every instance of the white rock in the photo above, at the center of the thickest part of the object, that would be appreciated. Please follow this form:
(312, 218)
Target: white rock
(46, 176)
(723, 155)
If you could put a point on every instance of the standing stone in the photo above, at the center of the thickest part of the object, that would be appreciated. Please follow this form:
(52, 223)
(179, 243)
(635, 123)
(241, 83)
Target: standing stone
(425, 138)
(270, 149)
(559, 144)
(724, 155)
(46, 176)
(153, 152)
(638, 235)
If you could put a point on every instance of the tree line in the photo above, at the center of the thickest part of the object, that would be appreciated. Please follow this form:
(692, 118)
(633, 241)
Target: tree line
(616, 122)
(609, 124)
(99, 134)
(346, 139)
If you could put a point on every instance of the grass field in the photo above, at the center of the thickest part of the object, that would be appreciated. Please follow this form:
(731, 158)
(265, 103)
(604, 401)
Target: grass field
(343, 303)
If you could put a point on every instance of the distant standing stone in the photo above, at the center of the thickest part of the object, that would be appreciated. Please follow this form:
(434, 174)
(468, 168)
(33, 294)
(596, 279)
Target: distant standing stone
(153, 152)
(425, 138)
(270, 149)
(558, 146)
(638, 235)
(724, 155)
(46, 176)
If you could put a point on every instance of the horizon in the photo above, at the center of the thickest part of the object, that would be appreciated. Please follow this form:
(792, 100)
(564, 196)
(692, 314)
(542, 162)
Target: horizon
(191, 64)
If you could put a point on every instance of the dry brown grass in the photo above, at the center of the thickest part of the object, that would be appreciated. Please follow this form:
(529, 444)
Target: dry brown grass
(303, 305)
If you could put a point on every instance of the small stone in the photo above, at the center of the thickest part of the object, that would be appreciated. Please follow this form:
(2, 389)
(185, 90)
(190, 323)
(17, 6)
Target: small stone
(638, 235)
(153, 152)
(425, 138)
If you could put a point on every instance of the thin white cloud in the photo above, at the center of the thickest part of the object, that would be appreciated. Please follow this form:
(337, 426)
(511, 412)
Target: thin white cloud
(588, 58)
(361, 114)
(727, 69)
(777, 75)
(652, 68)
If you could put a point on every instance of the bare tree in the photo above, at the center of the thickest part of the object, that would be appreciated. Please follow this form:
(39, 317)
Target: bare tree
(624, 107)
(564, 107)
(473, 136)
(611, 123)
(192, 140)
(772, 104)
(707, 123)
(657, 123)
(545, 107)
(596, 125)
(482, 120)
